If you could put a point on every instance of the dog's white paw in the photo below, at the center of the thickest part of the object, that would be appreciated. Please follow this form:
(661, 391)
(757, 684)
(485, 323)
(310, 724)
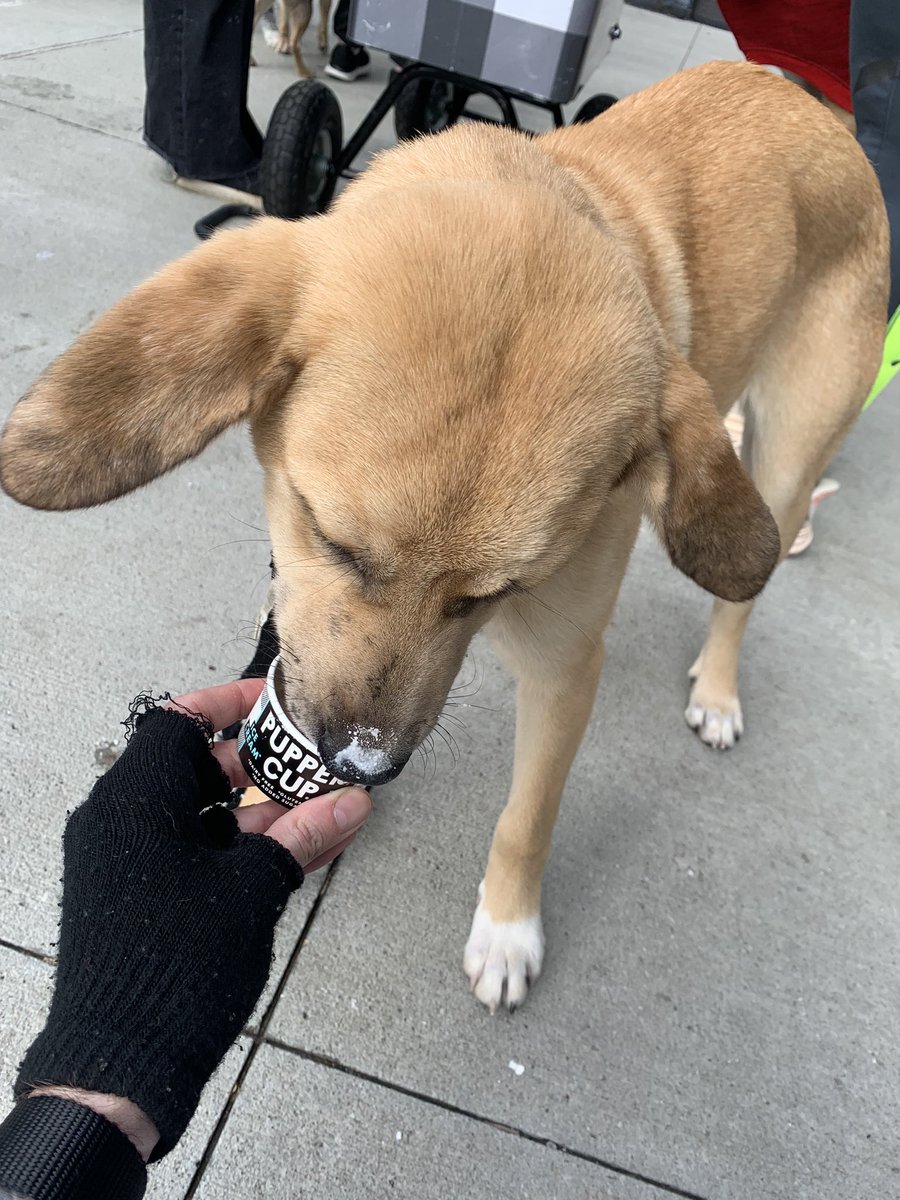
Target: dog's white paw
(718, 724)
(503, 958)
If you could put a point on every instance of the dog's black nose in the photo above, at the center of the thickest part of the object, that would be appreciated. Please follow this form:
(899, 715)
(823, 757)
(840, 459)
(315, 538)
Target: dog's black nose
(361, 755)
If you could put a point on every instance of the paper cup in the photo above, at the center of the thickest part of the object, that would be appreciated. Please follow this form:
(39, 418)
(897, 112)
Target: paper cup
(280, 759)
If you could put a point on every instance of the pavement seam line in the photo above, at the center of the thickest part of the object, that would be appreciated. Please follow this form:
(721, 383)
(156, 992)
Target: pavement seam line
(691, 44)
(49, 959)
(101, 37)
(324, 1060)
(39, 112)
(258, 1038)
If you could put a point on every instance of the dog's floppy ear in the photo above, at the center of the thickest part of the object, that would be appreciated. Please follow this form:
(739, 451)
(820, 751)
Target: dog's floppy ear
(709, 515)
(188, 353)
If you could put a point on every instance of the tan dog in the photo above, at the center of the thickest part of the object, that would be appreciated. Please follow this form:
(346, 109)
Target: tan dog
(294, 17)
(533, 342)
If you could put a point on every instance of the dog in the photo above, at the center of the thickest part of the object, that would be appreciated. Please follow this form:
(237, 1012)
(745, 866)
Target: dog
(533, 344)
(294, 17)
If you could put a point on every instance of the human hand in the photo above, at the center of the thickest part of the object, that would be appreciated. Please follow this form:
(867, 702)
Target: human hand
(169, 907)
(314, 832)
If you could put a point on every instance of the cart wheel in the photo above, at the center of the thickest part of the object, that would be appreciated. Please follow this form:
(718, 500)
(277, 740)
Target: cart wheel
(426, 106)
(303, 141)
(593, 108)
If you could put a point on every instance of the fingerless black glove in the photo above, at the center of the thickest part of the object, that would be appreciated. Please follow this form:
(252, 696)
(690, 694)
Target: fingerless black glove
(168, 915)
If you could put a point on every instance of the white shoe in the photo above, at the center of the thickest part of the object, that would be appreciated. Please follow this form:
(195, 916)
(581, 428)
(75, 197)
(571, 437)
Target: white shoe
(219, 191)
(823, 489)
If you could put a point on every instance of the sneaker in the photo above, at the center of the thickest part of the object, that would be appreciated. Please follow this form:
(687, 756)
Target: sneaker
(243, 189)
(823, 489)
(734, 427)
(347, 63)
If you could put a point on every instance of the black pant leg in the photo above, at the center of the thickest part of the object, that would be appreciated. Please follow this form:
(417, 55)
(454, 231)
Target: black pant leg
(341, 21)
(196, 62)
(875, 82)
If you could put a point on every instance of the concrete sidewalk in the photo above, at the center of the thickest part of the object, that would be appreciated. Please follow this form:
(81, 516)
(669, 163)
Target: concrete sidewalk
(718, 1012)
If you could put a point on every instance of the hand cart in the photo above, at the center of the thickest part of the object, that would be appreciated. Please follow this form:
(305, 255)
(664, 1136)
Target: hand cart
(447, 52)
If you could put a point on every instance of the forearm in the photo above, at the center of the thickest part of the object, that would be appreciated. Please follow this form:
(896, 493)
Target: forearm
(60, 1143)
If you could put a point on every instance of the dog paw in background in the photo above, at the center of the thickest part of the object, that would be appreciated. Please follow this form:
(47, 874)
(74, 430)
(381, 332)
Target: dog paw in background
(284, 23)
(502, 958)
(269, 26)
(713, 713)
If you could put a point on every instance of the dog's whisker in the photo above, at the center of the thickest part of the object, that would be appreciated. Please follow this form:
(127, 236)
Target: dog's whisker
(473, 662)
(457, 703)
(266, 579)
(291, 657)
(458, 721)
(447, 742)
(249, 524)
(302, 562)
(450, 742)
(239, 639)
(460, 687)
(427, 749)
(558, 613)
(421, 753)
(344, 575)
(236, 542)
(524, 622)
(245, 631)
(435, 764)
(462, 691)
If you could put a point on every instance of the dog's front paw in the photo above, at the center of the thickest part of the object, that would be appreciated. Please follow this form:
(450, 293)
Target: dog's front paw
(282, 44)
(717, 719)
(503, 958)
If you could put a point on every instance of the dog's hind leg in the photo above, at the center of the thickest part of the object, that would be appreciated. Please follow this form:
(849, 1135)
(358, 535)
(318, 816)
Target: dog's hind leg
(552, 639)
(259, 9)
(809, 390)
(301, 15)
(324, 17)
(283, 45)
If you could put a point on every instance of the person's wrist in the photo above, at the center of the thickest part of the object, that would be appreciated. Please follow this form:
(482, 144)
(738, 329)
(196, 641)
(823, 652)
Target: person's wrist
(123, 1113)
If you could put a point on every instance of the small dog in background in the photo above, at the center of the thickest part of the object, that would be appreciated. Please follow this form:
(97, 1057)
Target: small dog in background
(294, 17)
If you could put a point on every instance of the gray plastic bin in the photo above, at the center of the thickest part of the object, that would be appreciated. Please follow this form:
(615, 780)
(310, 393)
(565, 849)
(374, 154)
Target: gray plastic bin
(542, 48)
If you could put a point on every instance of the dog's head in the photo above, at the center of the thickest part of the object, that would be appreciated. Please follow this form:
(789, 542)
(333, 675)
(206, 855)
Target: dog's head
(442, 392)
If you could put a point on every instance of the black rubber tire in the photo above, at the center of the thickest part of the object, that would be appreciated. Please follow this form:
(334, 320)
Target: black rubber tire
(424, 106)
(593, 108)
(303, 141)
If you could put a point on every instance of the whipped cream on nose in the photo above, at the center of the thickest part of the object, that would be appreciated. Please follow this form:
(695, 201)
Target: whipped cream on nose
(362, 752)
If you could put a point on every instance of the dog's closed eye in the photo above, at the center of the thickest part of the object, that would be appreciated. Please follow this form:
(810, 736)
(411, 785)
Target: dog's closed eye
(344, 555)
(464, 606)
(348, 557)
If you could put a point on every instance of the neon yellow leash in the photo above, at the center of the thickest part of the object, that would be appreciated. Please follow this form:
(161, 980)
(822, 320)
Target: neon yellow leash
(890, 363)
